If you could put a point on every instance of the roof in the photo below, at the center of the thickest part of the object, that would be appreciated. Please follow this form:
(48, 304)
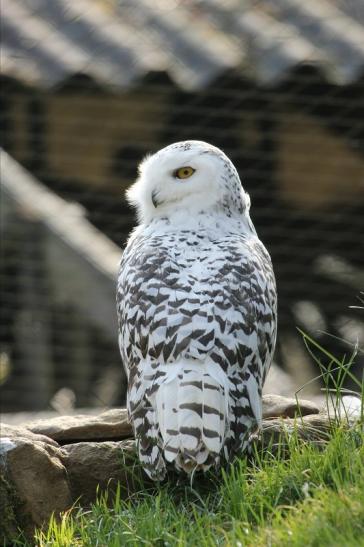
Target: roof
(118, 42)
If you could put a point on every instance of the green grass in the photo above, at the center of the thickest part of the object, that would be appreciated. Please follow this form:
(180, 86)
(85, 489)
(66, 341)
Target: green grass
(313, 498)
(305, 495)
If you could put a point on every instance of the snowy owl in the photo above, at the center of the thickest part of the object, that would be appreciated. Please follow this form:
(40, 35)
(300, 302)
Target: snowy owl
(196, 302)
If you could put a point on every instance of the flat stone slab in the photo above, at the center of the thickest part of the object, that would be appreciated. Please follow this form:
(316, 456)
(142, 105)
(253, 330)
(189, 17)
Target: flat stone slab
(114, 425)
(276, 406)
(21, 432)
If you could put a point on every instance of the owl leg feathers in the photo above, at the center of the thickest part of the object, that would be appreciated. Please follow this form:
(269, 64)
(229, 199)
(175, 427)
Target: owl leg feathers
(142, 415)
(247, 413)
(148, 443)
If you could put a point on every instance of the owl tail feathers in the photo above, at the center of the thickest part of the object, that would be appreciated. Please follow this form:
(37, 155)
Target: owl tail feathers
(192, 414)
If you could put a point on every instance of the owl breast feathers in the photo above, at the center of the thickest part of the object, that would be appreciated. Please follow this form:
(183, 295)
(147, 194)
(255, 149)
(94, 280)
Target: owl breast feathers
(196, 302)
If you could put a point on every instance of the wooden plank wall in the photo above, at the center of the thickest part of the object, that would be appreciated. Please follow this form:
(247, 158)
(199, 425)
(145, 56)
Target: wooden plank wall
(61, 260)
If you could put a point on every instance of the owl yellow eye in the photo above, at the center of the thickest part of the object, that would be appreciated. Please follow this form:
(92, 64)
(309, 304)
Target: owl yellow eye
(183, 172)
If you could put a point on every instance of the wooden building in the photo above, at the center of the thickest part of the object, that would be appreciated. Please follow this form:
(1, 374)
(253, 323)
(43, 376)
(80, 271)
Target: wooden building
(90, 87)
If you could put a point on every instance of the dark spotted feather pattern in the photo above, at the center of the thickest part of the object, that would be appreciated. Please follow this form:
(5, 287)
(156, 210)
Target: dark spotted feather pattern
(197, 317)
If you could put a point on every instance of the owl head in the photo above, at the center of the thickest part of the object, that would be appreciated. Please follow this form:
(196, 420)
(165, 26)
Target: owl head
(191, 177)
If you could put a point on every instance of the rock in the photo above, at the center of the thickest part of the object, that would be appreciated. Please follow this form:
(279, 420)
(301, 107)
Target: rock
(275, 406)
(18, 432)
(349, 408)
(100, 465)
(314, 428)
(109, 425)
(24, 417)
(34, 484)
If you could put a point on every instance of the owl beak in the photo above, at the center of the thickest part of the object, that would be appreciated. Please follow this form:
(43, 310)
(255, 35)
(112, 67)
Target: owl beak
(155, 199)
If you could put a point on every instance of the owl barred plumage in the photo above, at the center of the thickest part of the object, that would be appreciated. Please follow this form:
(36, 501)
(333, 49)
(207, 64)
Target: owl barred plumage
(196, 305)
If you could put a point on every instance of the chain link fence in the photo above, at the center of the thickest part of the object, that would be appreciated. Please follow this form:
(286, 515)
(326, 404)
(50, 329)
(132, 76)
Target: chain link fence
(88, 88)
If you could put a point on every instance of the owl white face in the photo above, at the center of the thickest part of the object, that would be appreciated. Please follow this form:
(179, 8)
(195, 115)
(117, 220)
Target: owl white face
(190, 176)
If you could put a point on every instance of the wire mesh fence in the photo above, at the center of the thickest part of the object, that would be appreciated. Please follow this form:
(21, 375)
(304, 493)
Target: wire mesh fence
(88, 88)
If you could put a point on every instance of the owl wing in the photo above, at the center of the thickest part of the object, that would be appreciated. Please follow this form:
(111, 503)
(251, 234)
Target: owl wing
(224, 306)
(246, 340)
